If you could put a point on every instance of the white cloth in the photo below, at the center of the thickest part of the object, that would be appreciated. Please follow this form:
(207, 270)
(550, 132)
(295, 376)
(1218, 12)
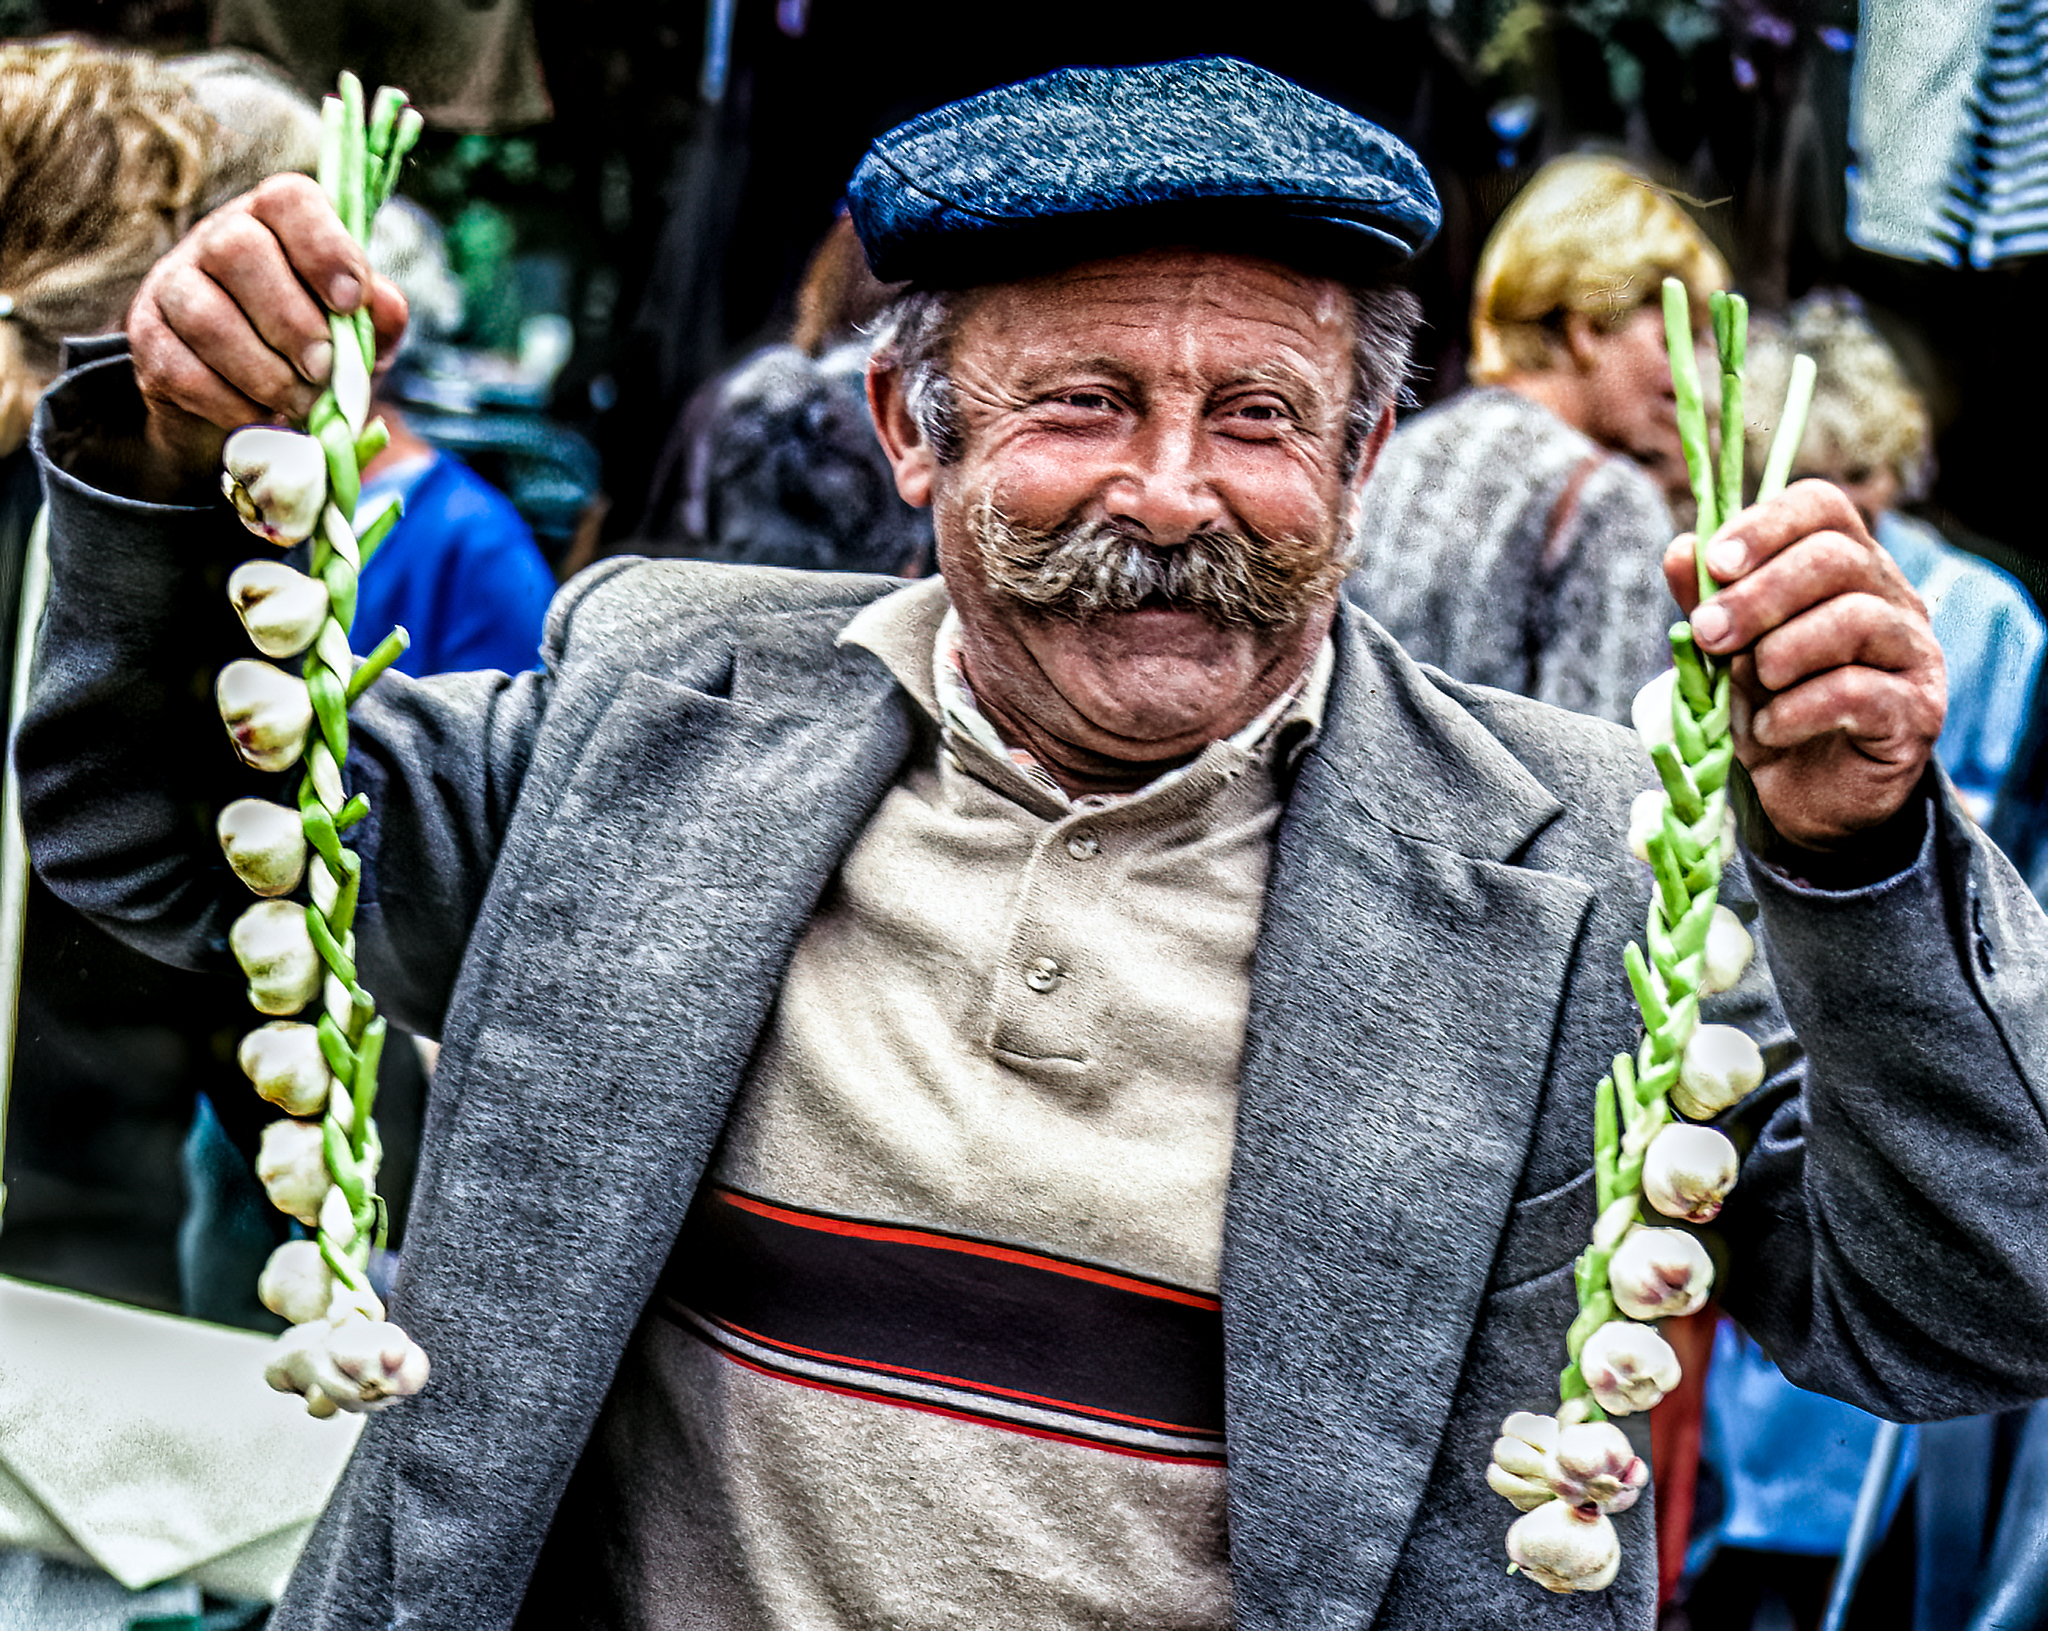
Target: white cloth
(151, 1446)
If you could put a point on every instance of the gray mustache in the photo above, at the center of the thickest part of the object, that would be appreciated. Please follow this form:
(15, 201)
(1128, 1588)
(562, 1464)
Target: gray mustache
(1085, 569)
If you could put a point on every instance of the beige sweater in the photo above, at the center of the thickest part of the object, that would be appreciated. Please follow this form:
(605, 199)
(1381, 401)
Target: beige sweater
(1009, 1041)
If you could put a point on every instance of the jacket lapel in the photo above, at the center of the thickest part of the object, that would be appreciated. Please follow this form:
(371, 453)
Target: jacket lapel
(596, 1087)
(1405, 996)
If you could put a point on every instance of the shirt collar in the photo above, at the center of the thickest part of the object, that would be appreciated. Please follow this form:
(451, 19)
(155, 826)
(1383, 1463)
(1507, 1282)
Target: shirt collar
(914, 631)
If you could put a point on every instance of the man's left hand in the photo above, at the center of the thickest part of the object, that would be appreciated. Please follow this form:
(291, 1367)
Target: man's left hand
(1839, 686)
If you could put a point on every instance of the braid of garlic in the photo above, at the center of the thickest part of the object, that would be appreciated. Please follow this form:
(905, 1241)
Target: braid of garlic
(290, 486)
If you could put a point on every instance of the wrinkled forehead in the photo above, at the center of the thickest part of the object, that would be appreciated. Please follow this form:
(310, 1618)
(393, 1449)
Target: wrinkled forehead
(1169, 304)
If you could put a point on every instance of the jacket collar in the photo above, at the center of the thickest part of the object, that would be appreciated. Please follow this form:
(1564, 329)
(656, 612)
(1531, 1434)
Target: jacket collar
(1418, 764)
(1406, 991)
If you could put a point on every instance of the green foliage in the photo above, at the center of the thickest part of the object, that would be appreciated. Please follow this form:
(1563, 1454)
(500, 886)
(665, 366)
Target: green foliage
(449, 171)
(1505, 38)
(482, 240)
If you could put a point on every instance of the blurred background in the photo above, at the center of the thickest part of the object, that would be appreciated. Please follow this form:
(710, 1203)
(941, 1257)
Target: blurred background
(632, 193)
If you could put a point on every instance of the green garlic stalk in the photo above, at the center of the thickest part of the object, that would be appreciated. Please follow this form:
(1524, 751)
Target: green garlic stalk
(292, 487)
(1567, 1473)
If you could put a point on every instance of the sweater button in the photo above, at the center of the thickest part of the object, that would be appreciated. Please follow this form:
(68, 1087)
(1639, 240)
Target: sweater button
(1043, 973)
(1084, 846)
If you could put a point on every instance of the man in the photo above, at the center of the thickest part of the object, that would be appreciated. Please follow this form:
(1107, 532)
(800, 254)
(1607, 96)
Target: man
(1511, 534)
(929, 1073)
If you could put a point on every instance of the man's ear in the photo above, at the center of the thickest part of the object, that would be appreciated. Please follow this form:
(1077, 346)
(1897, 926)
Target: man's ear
(909, 455)
(1368, 456)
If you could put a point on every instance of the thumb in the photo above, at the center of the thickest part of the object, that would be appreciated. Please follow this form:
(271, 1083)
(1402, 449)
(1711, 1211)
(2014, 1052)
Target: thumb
(1680, 575)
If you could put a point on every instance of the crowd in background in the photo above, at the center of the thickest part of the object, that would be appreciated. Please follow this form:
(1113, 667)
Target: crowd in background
(1511, 534)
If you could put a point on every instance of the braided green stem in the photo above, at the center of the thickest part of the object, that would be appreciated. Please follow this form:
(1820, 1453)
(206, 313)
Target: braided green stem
(1791, 429)
(359, 165)
(1692, 419)
(1731, 340)
(1631, 1104)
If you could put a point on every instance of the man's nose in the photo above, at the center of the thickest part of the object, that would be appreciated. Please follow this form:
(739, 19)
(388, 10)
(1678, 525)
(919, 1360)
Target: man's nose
(1165, 490)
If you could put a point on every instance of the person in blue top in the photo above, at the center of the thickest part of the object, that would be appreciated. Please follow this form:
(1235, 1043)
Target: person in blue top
(1789, 1464)
(1869, 434)
(461, 572)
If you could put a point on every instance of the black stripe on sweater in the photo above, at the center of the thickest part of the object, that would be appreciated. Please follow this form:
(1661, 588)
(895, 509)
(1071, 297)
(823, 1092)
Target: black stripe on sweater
(971, 1328)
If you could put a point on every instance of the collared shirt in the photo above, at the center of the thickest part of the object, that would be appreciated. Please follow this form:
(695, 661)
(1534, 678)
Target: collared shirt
(941, 1345)
(963, 717)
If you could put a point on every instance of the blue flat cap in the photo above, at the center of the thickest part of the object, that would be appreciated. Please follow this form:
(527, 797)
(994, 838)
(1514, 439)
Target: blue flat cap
(1090, 162)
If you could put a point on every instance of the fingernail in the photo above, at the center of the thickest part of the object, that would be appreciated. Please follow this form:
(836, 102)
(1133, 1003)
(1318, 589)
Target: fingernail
(344, 294)
(318, 362)
(1710, 625)
(1726, 558)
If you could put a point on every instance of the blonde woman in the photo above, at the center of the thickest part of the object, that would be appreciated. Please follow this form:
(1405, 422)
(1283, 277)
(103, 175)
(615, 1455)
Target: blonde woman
(1512, 534)
(106, 157)
(103, 156)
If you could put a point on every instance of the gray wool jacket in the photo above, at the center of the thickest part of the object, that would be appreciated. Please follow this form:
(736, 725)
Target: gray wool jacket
(587, 882)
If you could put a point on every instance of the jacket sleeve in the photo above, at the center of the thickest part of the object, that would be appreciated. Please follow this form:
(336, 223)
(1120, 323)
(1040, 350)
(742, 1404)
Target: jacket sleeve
(124, 763)
(1889, 1236)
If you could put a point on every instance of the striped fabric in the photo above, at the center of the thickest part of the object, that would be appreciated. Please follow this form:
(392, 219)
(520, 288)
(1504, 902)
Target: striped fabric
(1996, 205)
(976, 1330)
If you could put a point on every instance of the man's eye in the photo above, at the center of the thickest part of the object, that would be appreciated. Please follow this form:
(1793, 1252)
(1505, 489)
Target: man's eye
(1259, 411)
(1086, 401)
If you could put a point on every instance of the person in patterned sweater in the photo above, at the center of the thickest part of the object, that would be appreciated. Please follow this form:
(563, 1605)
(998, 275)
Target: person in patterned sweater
(1512, 534)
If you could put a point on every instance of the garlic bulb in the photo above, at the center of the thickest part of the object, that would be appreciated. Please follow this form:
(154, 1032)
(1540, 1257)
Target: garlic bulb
(291, 1162)
(1628, 1366)
(272, 944)
(296, 1283)
(1650, 713)
(284, 1061)
(267, 712)
(352, 1362)
(282, 609)
(1688, 1172)
(1720, 1067)
(277, 481)
(1564, 1548)
(1520, 1466)
(1729, 950)
(1660, 1274)
(1645, 820)
(372, 1362)
(292, 1364)
(1593, 1464)
(265, 844)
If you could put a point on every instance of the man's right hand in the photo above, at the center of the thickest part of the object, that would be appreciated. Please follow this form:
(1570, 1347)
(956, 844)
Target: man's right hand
(230, 327)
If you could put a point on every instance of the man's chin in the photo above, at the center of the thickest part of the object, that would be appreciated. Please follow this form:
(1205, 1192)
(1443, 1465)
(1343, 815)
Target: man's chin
(1156, 675)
